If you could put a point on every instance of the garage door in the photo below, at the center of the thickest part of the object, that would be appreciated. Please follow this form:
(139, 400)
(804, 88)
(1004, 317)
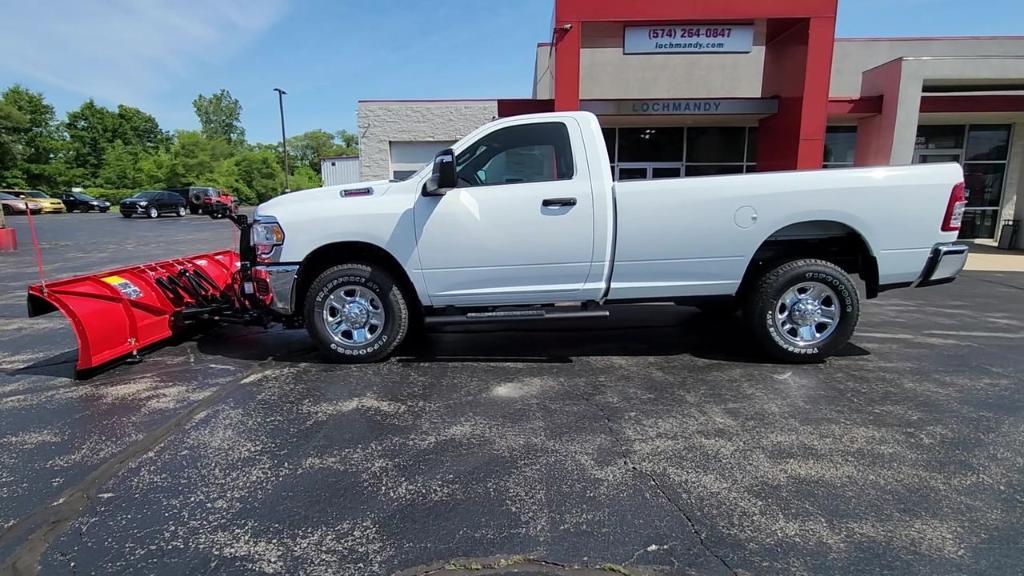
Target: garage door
(408, 157)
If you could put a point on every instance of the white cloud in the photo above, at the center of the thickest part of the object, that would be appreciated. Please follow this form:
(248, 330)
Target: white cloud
(125, 50)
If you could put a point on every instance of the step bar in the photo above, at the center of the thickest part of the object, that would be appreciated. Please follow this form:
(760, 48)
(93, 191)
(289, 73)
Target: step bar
(513, 316)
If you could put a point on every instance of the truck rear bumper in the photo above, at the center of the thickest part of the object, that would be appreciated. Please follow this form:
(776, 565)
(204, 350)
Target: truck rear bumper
(944, 265)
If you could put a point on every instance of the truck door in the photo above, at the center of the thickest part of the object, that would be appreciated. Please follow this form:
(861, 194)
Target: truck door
(519, 228)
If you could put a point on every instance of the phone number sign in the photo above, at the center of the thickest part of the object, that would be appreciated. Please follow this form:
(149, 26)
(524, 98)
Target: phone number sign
(689, 39)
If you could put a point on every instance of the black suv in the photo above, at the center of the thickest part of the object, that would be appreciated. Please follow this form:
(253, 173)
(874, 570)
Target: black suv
(153, 203)
(83, 202)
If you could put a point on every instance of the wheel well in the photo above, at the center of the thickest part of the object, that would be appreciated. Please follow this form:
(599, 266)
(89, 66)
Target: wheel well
(351, 253)
(827, 240)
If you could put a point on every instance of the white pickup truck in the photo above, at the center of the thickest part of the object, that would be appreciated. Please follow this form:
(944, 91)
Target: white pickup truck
(521, 221)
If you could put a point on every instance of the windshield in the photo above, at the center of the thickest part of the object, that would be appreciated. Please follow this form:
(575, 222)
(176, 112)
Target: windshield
(147, 195)
(81, 196)
(35, 194)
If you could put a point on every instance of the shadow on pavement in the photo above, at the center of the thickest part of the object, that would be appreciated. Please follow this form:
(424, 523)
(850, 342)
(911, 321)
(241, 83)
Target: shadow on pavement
(655, 331)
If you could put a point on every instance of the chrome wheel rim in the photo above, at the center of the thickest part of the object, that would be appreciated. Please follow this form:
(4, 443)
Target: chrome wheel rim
(181, 211)
(354, 316)
(807, 314)
(153, 213)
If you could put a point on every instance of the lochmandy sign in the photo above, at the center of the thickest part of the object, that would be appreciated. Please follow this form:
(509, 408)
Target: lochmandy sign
(697, 107)
(689, 39)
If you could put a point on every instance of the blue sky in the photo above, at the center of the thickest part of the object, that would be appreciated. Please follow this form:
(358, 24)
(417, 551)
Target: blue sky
(328, 54)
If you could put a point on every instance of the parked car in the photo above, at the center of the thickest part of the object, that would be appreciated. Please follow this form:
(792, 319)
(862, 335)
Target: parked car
(521, 220)
(50, 205)
(153, 203)
(206, 200)
(14, 205)
(82, 202)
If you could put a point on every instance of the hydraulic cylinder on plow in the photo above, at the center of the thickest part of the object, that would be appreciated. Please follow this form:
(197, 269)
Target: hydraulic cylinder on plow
(117, 313)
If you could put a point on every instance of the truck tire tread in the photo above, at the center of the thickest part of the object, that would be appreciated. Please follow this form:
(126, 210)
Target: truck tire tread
(761, 300)
(387, 290)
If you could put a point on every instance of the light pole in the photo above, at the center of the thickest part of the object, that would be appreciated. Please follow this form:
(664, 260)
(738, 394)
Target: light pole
(284, 139)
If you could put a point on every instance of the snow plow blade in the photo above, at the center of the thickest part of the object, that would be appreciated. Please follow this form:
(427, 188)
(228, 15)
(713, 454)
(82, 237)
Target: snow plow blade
(118, 312)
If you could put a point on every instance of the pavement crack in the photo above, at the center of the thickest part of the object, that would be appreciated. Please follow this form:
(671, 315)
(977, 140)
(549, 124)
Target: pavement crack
(51, 520)
(657, 484)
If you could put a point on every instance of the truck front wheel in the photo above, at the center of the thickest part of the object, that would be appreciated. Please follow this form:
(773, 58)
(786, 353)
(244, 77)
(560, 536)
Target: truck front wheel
(356, 313)
(803, 311)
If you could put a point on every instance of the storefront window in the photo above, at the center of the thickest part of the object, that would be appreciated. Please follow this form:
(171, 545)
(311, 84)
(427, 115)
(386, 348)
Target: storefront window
(984, 184)
(940, 137)
(840, 146)
(713, 169)
(651, 144)
(984, 150)
(751, 149)
(716, 145)
(988, 142)
(652, 153)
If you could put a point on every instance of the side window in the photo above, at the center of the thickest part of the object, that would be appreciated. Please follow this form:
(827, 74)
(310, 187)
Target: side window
(527, 153)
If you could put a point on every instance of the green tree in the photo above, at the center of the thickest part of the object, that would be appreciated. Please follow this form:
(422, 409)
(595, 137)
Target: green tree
(220, 116)
(304, 178)
(32, 138)
(193, 158)
(137, 129)
(260, 171)
(120, 167)
(308, 148)
(90, 129)
(12, 123)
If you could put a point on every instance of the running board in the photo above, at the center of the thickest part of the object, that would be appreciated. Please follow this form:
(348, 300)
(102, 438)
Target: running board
(512, 316)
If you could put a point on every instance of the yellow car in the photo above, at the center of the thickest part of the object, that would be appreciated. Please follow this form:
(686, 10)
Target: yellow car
(50, 205)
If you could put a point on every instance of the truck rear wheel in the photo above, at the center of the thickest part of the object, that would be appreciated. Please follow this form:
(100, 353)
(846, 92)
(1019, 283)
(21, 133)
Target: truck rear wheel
(356, 313)
(803, 311)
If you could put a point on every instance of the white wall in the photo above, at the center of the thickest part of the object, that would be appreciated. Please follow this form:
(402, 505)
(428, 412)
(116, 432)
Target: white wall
(607, 73)
(335, 171)
(853, 57)
(383, 122)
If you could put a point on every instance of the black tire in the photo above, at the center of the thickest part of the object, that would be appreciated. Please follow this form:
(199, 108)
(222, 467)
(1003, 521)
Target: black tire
(764, 303)
(389, 294)
(153, 212)
(8, 210)
(104, 210)
(181, 212)
(126, 214)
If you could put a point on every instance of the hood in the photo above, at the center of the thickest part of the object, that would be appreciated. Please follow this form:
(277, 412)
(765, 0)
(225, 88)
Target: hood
(318, 196)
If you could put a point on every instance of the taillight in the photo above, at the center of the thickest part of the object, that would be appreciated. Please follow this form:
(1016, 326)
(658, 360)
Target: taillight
(955, 208)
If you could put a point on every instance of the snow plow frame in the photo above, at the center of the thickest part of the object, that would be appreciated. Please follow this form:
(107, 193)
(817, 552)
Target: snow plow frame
(117, 313)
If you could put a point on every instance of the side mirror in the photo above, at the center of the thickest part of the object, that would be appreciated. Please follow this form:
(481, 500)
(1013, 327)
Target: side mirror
(443, 178)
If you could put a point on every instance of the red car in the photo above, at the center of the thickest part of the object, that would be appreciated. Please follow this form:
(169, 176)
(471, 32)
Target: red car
(220, 206)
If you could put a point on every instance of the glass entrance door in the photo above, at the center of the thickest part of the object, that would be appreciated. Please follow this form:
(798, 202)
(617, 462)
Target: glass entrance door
(979, 220)
(938, 156)
(648, 171)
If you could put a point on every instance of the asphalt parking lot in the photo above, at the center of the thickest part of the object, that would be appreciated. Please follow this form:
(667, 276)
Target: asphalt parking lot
(655, 442)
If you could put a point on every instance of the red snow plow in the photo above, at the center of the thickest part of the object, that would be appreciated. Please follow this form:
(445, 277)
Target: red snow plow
(117, 313)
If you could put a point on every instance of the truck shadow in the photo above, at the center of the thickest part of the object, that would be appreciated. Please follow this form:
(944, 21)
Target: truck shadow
(630, 331)
(645, 330)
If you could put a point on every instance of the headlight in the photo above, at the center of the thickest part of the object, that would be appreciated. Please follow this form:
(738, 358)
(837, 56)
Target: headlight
(94, 203)
(143, 204)
(267, 234)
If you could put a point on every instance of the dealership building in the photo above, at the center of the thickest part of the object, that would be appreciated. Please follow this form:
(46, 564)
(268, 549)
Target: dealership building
(732, 86)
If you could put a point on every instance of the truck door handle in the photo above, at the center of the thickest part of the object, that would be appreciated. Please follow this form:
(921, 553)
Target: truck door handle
(558, 202)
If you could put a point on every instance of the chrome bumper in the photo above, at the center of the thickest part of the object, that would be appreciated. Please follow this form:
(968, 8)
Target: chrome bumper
(944, 265)
(275, 285)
